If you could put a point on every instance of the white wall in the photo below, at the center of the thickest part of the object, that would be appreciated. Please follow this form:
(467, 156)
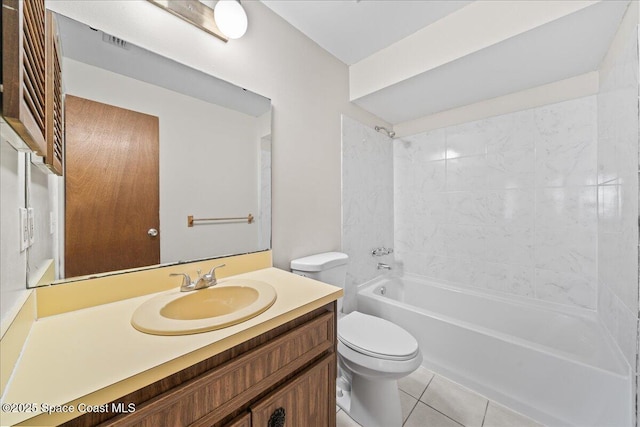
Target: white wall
(208, 162)
(308, 88)
(13, 263)
(40, 194)
(367, 203)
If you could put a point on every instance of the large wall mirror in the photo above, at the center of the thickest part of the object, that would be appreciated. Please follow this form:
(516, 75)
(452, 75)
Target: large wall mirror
(152, 143)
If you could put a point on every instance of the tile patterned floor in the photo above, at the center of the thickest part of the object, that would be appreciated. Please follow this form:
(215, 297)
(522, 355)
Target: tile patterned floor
(432, 400)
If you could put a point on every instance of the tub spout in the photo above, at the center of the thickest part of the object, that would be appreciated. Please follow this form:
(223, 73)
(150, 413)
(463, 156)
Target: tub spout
(383, 266)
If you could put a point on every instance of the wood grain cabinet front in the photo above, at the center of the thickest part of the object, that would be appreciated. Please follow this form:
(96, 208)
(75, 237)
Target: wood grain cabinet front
(32, 98)
(23, 70)
(286, 375)
(301, 402)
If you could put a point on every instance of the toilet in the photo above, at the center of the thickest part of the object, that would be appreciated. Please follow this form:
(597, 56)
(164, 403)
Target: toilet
(373, 353)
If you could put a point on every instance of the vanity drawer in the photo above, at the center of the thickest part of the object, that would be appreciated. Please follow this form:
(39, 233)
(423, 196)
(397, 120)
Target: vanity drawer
(214, 395)
(302, 401)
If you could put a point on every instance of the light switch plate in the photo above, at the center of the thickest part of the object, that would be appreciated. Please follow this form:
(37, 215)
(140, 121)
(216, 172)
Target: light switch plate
(32, 223)
(52, 223)
(24, 230)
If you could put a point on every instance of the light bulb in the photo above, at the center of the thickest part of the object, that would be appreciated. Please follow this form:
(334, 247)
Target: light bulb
(230, 18)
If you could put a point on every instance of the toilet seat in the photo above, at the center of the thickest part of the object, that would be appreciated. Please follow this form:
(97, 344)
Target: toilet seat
(376, 337)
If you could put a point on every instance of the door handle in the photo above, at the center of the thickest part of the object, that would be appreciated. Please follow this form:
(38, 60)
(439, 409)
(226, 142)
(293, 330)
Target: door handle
(152, 232)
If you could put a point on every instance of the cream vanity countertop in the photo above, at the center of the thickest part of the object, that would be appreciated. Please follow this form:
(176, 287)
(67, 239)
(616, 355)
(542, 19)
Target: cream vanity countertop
(94, 355)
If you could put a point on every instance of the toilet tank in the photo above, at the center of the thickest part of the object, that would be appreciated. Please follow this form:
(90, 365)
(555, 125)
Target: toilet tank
(328, 267)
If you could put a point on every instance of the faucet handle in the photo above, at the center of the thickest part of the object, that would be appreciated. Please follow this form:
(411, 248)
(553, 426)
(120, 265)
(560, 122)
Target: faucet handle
(381, 251)
(186, 280)
(212, 273)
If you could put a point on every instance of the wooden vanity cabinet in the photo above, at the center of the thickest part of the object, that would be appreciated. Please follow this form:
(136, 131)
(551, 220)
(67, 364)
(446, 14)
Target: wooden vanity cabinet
(54, 120)
(23, 70)
(284, 377)
(32, 98)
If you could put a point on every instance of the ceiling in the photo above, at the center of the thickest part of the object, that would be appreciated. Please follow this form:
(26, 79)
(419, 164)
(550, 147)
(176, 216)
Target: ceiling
(564, 48)
(351, 30)
(568, 45)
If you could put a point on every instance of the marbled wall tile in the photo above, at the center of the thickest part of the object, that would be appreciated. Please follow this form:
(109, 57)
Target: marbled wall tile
(566, 153)
(428, 177)
(627, 332)
(618, 197)
(511, 169)
(424, 237)
(432, 207)
(508, 278)
(367, 200)
(431, 265)
(566, 163)
(423, 147)
(484, 225)
(618, 268)
(610, 209)
(511, 207)
(571, 250)
(461, 271)
(565, 288)
(567, 207)
(467, 207)
(463, 241)
(512, 132)
(607, 309)
(467, 139)
(466, 173)
(569, 120)
(509, 245)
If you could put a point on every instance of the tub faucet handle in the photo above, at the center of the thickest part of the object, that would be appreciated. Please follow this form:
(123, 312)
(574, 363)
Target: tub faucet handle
(381, 251)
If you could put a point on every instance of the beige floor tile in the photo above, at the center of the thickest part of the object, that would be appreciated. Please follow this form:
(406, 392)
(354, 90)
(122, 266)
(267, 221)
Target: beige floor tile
(416, 383)
(343, 420)
(455, 401)
(423, 416)
(499, 416)
(407, 403)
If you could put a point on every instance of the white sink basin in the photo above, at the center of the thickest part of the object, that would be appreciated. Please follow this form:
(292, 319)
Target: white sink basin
(180, 313)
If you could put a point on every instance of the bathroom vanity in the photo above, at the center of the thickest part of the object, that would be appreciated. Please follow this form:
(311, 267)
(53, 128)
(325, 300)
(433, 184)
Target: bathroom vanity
(285, 373)
(279, 365)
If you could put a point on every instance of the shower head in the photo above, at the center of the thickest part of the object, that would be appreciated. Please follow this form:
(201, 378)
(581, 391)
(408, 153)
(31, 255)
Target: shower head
(381, 129)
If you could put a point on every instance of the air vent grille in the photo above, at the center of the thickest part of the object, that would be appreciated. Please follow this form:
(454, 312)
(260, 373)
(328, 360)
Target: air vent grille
(33, 60)
(108, 38)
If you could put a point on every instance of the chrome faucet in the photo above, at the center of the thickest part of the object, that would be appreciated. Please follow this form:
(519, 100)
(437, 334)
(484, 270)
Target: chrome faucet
(204, 281)
(381, 251)
(383, 266)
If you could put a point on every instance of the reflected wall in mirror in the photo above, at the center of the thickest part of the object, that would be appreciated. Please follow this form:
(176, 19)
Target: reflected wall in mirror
(214, 156)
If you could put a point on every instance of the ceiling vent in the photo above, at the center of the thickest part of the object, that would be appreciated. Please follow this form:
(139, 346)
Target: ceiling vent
(108, 38)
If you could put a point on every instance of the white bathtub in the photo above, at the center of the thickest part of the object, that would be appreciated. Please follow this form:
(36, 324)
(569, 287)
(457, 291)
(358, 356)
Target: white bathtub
(553, 364)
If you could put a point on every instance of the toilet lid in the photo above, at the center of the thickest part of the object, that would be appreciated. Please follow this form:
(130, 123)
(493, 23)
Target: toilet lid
(376, 337)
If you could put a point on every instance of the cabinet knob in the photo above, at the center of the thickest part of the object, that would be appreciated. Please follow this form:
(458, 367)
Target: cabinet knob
(277, 418)
(152, 232)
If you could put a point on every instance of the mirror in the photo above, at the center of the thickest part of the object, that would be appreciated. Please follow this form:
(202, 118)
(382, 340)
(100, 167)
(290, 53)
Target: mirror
(213, 164)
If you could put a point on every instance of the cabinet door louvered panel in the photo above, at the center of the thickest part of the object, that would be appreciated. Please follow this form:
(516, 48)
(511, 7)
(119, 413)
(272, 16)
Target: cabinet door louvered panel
(23, 70)
(54, 98)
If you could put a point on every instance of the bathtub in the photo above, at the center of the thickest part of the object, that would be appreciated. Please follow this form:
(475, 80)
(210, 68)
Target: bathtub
(552, 363)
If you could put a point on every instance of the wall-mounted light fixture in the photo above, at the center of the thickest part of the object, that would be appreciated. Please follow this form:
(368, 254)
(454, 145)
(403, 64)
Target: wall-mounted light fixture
(225, 19)
(230, 18)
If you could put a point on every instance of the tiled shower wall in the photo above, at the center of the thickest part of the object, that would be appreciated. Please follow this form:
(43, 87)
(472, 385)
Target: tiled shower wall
(505, 204)
(367, 202)
(618, 193)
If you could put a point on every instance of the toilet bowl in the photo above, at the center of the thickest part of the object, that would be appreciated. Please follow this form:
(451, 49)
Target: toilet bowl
(373, 353)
